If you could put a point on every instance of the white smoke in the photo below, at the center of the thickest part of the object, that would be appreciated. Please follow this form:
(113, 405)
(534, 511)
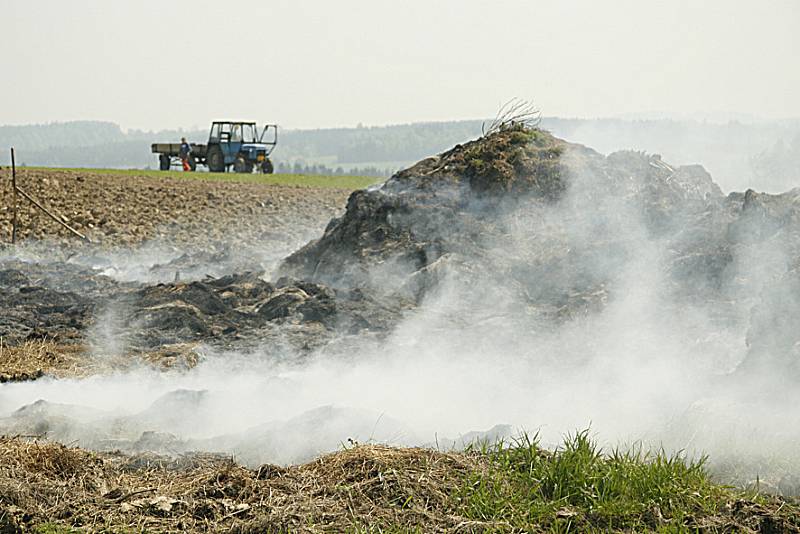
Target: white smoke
(641, 364)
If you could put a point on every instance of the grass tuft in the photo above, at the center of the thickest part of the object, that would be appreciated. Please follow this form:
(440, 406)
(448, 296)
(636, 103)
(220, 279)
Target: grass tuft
(580, 486)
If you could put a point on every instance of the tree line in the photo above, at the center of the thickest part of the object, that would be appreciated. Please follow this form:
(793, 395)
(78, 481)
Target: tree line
(738, 155)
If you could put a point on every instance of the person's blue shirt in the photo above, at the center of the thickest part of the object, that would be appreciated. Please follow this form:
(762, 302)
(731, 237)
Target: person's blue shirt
(185, 149)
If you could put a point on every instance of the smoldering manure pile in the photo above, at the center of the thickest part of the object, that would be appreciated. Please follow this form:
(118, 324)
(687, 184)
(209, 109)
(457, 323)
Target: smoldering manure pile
(515, 282)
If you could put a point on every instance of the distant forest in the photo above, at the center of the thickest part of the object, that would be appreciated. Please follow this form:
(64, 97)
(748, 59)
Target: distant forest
(762, 155)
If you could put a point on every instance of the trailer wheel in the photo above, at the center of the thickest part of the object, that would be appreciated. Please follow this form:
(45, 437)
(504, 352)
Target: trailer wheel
(215, 160)
(163, 162)
(266, 167)
(192, 163)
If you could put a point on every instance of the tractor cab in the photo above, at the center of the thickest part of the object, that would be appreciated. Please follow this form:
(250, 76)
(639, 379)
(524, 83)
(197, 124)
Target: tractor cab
(241, 145)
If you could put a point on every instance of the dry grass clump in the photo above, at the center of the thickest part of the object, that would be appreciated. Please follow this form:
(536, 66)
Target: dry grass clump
(47, 483)
(37, 358)
(366, 486)
(42, 357)
(370, 487)
(175, 356)
(42, 480)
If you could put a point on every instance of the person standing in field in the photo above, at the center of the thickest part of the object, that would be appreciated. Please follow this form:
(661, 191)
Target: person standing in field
(184, 154)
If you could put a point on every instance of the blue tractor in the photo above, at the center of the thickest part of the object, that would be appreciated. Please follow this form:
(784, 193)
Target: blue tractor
(236, 145)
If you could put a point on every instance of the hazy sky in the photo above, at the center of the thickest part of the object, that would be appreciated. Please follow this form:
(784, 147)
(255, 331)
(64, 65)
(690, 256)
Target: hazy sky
(157, 64)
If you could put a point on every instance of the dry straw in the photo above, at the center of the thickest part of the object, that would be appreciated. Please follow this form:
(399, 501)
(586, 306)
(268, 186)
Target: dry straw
(361, 486)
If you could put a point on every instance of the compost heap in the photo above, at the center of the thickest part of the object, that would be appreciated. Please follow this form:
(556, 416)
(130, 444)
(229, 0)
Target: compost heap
(517, 280)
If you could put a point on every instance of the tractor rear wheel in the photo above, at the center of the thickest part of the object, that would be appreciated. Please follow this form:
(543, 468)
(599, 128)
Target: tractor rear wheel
(163, 162)
(215, 160)
(266, 167)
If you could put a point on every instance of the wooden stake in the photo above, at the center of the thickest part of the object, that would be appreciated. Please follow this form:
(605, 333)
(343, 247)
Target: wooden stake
(14, 190)
(33, 201)
(52, 216)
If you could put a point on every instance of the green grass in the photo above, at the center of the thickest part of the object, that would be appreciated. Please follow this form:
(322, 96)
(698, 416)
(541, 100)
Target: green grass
(578, 488)
(303, 180)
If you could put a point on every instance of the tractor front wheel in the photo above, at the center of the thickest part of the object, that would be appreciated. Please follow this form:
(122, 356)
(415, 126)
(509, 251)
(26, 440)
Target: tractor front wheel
(241, 165)
(163, 162)
(266, 167)
(215, 160)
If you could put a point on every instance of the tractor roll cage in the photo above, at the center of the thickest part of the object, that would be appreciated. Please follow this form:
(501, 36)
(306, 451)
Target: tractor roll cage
(269, 136)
